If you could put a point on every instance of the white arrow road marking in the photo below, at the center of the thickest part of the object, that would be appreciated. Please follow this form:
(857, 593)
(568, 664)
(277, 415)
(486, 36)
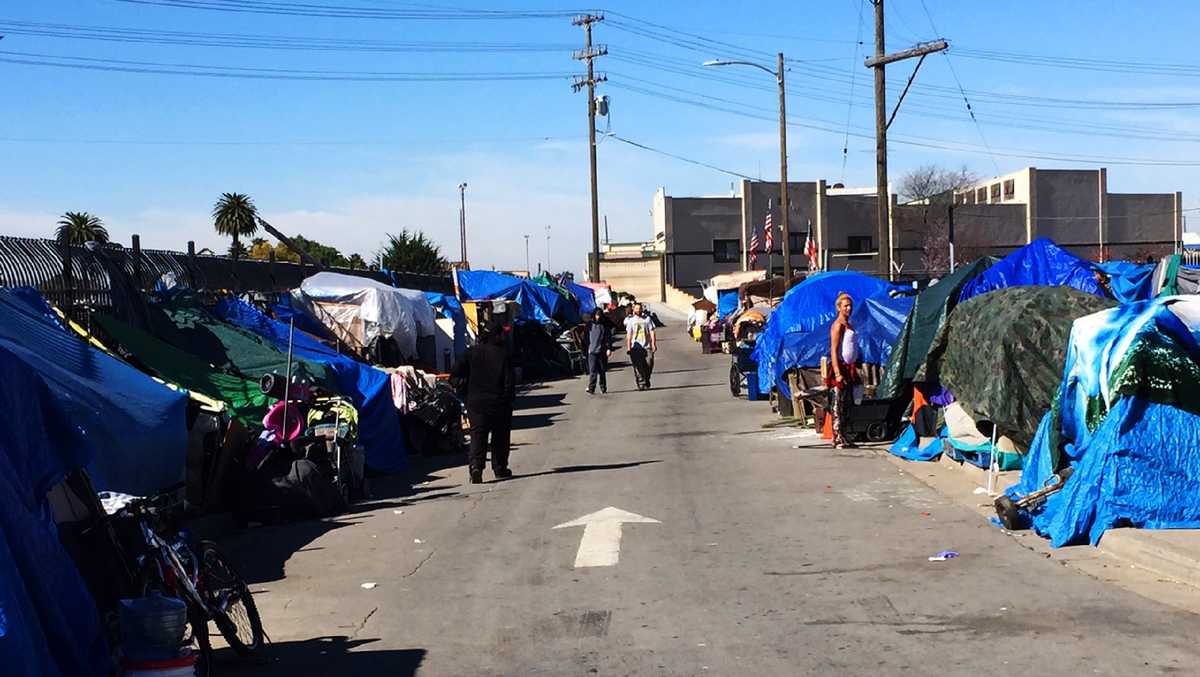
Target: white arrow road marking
(601, 542)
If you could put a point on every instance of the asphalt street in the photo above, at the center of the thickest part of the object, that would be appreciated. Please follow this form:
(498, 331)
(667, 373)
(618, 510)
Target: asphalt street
(757, 558)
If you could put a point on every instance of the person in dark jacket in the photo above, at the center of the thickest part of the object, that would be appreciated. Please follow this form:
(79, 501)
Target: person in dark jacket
(599, 347)
(491, 388)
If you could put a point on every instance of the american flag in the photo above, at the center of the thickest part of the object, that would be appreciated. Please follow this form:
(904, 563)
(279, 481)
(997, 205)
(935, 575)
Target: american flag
(810, 249)
(753, 247)
(769, 241)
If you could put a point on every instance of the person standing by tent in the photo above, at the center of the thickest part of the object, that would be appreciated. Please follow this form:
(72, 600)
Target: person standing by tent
(491, 388)
(641, 344)
(599, 333)
(843, 378)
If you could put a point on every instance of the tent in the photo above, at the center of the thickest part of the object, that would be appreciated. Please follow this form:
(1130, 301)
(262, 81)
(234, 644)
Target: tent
(722, 289)
(137, 426)
(49, 624)
(586, 297)
(1127, 418)
(876, 320)
(539, 304)
(448, 307)
(1003, 353)
(242, 395)
(1040, 262)
(806, 307)
(1171, 277)
(1129, 282)
(368, 388)
(571, 305)
(360, 310)
(601, 291)
(929, 313)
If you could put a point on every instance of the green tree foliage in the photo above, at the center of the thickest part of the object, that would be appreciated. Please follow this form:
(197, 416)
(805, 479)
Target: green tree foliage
(356, 262)
(412, 253)
(235, 216)
(80, 227)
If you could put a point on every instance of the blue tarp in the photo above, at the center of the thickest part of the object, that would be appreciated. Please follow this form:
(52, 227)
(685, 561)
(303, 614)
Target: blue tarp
(137, 425)
(1130, 282)
(806, 307)
(1040, 262)
(727, 302)
(285, 309)
(586, 297)
(538, 303)
(907, 446)
(49, 624)
(1136, 460)
(447, 306)
(370, 390)
(877, 321)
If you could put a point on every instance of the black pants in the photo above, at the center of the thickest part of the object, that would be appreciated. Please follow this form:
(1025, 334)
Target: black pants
(597, 365)
(643, 364)
(494, 427)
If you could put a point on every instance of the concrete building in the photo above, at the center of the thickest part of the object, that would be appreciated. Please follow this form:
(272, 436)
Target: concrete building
(698, 237)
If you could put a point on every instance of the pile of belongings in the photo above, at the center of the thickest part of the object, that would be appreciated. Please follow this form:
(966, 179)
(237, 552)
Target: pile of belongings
(1126, 418)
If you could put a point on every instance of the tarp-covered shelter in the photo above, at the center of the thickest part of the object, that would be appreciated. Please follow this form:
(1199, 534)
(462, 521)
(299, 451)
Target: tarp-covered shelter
(929, 313)
(1172, 277)
(1129, 282)
(723, 289)
(806, 307)
(368, 388)
(1127, 418)
(876, 320)
(362, 311)
(586, 297)
(600, 291)
(540, 304)
(1003, 353)
(49, 624)
(1040, 262)
(449, 307)
(137, 425)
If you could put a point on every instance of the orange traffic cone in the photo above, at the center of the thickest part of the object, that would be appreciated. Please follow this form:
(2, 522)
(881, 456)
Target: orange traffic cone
(827, 431)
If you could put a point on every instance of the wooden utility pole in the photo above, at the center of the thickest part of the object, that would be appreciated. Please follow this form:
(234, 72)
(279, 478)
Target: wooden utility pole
(883, 195)
(588, 54)
(462, 223)
(783, 180)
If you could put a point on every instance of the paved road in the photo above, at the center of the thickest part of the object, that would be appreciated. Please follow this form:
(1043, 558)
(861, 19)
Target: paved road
(767, 560)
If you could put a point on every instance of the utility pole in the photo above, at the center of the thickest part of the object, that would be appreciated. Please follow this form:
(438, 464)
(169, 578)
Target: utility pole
(526, 253)
(783, 182)
(548, 249)
(883, 195)
(462, 222)
(588, 54)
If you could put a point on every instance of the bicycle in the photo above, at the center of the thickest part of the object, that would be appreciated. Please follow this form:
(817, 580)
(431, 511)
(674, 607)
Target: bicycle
(202, 577)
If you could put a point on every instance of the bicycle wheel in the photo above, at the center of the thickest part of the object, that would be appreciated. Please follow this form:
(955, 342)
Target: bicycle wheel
(230, 602)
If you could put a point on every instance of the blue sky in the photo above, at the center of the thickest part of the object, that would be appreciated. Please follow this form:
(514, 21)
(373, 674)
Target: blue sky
(346, 161)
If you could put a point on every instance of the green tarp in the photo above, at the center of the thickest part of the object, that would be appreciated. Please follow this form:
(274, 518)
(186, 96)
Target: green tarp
(1002, 353)
(928, 314)
(183, 323)
(245, 400)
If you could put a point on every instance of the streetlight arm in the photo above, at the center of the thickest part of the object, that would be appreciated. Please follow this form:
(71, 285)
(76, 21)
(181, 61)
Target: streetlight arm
(722, 62)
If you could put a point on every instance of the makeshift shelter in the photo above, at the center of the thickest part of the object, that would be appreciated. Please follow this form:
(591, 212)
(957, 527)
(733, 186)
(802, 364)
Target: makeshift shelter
(137, 426)
(361, 311)
(1127, 419)
(538, 304)
(1040, 262)
(929, 313)
(722, 289)
(877, 321)
(368, 388)
(446, 306)
(601, 292)
(806, 307)
(762, 292)
(1171, 276)
(1003, 353)
(585, 296)
(1129, 282)
(571, 306)
(49, 624)
(243, 396)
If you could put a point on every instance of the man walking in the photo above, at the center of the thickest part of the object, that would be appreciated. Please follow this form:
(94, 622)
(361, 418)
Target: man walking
(599, 347)
(641, 344)
(491, 388)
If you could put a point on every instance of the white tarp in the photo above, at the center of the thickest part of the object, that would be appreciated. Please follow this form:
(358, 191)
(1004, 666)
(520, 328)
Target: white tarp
(365, 309)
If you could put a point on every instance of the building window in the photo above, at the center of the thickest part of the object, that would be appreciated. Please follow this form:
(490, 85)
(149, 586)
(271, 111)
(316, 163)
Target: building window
(727, 251)
(859, 244)
(995, 192)
(796, 243)
(969, 197)
(981, 196)
(1010, 189)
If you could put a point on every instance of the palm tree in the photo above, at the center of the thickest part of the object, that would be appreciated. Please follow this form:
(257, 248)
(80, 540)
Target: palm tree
(80, 227)
(235, 215)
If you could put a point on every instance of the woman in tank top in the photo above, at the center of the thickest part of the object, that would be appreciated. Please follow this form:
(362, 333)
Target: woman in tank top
(843, 375)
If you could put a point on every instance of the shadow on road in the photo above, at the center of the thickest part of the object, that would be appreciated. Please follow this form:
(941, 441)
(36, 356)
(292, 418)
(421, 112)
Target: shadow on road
(567, 469)
(539, 401)
(323, 656)
(530, 421)
(693, 385)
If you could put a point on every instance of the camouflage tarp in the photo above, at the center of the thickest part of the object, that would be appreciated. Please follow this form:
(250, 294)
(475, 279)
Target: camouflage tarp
(1002, 353)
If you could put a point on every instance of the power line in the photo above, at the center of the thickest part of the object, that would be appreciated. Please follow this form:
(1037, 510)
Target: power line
(850, 98)
(351, 12)
(681, 158)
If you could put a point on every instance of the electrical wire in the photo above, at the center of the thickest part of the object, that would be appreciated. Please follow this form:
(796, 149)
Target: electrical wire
(850, 98)
(681, 158)
(352, 12)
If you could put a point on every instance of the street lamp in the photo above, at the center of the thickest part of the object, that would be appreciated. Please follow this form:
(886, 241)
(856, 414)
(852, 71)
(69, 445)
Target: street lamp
(783, 192)
(527, 255)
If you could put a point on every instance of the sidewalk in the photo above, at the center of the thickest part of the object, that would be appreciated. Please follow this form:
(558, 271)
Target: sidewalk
(1161, 564)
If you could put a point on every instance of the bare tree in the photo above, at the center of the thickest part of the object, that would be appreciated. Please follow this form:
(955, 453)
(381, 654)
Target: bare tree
(934, 183)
